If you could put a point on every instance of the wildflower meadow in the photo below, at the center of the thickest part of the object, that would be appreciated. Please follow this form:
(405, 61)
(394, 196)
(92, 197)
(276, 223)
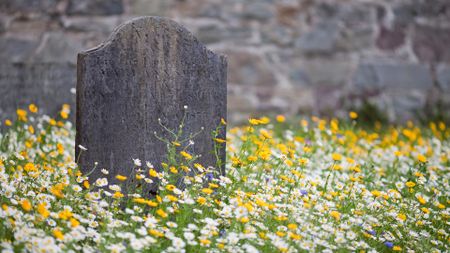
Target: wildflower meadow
(291, 185)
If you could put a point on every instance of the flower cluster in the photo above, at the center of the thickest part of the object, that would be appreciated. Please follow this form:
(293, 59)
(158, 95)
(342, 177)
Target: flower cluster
(314, 185)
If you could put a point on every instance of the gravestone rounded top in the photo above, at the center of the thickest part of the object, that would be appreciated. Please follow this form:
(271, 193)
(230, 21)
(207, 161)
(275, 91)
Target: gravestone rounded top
(145, 23)
(148, 70)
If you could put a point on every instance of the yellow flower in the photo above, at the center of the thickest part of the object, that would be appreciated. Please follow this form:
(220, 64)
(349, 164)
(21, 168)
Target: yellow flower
(156, 233)
(176, 143)
(288, 162)
(33, 108)
(86, 184)
(26, 205)
(172, 198)
(410, 184)
(152, 203)
(201, 200)
(161, 213)
(58, 234)
(281, 118)
(207, 191)
(421, 158)
(401, 216)
(421, 200)
(56, 190)
(262, 235)
(186, 155)
(205, 242)
(336, 157)
(264, 120)
(21, 115)
(199, 167)
(353, 115)
(29, 167)
(117, 195)
(280, 233)
(252, 158)
(8, 122)
(397, 248)
(153, 173)
(140, 200)
(213, 185)
(376, 193)
(336, 215)
(265, 134)
(66, 107)
(31, 129)
(244, 219)
(65, 214)
(294, 236)
(170, 187)
(185, 168)
(336, 167)
(74, 223)
(42, 210)
(121, 178)
(254, 121)
(173, 170)
(218, 140)
(303, 161)
(222, 121)
(64, 114)
(60, 148)
(292, 226)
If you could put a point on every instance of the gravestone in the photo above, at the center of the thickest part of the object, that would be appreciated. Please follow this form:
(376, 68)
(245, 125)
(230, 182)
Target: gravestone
(149, 69)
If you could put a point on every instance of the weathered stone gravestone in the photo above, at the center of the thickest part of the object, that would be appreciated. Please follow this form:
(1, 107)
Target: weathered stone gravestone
(149, 69)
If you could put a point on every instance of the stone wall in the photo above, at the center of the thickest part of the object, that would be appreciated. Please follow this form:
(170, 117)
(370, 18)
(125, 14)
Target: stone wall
(290, 56)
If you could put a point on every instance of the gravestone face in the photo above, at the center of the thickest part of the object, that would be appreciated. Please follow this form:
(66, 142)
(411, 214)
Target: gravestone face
(149, 69)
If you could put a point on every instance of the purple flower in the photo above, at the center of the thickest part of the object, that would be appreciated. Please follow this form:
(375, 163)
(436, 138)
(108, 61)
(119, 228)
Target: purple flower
(222, 232)
(372, 232)
(389, 244)
(304, 192)
(209, 176)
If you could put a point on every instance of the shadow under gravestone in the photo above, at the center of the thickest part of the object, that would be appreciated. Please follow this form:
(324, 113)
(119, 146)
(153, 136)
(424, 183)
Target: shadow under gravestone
(149, 69)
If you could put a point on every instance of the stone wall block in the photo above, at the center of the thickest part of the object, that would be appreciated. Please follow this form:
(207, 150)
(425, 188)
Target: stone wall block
(58, 47)
(392, 76)
(280, 35)
(443, 77)
(95, 7)
(258, 10)
(101, 25)
(48, 85)
(321, 39)
(389, 39)
(15, 50)
(407, 12)
(317, 71)
(431, 44)
(151, 8)
(249, 70)
(27, 7)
